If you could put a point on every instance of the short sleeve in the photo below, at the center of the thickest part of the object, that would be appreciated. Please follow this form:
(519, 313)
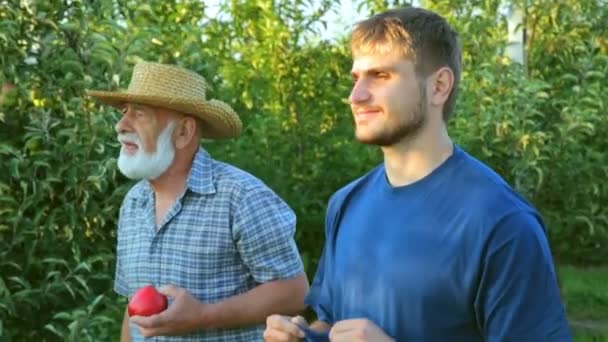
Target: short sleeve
(518, 297)
(318, 297)
(263, 229)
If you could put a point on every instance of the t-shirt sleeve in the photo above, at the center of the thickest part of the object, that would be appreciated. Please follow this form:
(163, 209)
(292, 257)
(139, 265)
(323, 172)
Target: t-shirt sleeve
(263, 229)
(318, 297)
(518, 297)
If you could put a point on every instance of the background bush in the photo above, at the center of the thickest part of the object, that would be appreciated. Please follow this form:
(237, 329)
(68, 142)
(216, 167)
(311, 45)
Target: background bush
(539, 126)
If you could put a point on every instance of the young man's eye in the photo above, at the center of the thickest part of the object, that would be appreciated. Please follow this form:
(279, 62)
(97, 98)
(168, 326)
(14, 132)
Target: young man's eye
(382, 75)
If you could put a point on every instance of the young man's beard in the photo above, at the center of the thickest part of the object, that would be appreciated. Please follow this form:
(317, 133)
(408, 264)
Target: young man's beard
(403, 130)
(144, 165)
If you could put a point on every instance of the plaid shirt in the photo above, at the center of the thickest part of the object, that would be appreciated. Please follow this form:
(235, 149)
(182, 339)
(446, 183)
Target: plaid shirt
(226, 234)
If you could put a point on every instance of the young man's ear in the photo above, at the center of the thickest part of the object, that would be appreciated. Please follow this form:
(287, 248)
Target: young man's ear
(442, 83)
(185, 131)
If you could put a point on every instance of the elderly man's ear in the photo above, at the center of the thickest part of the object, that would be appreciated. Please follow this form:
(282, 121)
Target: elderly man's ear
(186, 131)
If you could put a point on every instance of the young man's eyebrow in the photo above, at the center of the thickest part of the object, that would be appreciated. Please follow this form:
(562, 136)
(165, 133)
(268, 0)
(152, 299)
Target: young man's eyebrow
(373, 70)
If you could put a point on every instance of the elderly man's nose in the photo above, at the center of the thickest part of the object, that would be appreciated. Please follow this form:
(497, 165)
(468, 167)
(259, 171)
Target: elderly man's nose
(122, 125)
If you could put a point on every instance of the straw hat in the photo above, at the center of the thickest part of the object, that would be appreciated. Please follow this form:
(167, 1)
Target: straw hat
(178, 89)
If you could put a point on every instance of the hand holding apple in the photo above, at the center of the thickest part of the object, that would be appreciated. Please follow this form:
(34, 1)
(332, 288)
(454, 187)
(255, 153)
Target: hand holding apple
(185, 314)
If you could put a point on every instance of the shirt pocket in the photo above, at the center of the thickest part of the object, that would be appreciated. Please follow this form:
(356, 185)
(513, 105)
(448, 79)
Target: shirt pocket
(200, 255)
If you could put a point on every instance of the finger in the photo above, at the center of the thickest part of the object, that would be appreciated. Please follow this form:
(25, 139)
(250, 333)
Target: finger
(274, 335)
(299, 320)
(276, 320)
(282, 323)
(348, 324)
(148, 332)
(147, 322)
(342, 335)
(141, 321)
(339, 334)
(170, 290)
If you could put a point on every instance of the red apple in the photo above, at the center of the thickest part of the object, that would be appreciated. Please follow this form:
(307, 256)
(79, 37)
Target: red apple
(147, 301)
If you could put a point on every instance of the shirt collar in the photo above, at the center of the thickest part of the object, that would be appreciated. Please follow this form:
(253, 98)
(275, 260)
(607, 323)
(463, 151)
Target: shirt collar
(200, 179)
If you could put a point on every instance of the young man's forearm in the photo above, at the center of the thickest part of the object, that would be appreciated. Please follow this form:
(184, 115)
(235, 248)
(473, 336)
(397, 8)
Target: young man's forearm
(285, 297)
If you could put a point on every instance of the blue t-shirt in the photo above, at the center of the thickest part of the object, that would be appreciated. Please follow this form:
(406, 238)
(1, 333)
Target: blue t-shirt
(456, 256)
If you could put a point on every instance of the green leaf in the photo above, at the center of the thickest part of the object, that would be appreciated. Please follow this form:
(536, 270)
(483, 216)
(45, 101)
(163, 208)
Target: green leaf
(63, 316)
(51, 328)
(82, 283)
(24, 284)
(56, 261)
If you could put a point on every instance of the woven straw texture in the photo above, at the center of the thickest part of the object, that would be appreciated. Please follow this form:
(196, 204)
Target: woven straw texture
(179, 89)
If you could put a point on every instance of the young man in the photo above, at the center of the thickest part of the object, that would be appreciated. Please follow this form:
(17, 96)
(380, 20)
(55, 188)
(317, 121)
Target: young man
(432, 245)
(218, 242)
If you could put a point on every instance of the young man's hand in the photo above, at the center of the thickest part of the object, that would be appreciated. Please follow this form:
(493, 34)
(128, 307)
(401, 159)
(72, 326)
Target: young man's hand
(357, 330)
(284, 328)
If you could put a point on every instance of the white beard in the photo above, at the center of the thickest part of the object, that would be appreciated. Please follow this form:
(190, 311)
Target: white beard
(144, 165)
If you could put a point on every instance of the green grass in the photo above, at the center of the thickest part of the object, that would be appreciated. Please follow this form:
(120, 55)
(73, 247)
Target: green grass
(585, 292)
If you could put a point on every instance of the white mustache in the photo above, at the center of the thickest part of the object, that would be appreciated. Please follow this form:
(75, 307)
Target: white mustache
(129, 137)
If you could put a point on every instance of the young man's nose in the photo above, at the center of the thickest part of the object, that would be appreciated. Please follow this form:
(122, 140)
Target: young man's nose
(360, 93)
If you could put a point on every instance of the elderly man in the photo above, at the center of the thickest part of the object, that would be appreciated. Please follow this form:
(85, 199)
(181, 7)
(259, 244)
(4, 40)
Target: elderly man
(216, 240)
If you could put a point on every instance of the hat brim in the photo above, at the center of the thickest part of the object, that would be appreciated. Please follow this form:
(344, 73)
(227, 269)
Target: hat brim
(220, 120)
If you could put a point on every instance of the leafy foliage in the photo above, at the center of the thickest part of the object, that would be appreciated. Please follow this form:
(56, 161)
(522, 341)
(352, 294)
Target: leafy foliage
(538, 125)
